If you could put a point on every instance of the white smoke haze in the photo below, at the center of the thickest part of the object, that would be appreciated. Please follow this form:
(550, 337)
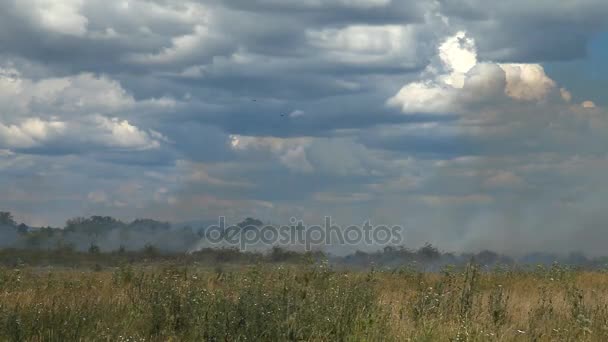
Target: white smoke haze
(8, 236)
(531, 181)
(148, 238)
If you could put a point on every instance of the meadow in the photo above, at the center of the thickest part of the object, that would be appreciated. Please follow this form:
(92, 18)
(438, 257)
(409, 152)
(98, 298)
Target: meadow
(309, 300)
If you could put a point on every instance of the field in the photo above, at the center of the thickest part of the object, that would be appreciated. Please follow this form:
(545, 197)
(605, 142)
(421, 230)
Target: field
(176, 301)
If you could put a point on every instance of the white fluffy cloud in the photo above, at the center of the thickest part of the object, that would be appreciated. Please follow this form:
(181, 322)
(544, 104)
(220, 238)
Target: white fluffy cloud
(62, 95)
(588, 104)
(336, 156)
(80, 110)
(459, 81)
(63, 17)
(527, 82)
(501, 108)
(290, 152)
(367, 44)
(121, 134)
(96, 131)
(30, 133)
(458, 55)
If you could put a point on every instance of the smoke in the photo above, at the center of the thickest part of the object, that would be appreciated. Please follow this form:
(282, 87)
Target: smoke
(104, 234)
(8, 236)
(529, 166)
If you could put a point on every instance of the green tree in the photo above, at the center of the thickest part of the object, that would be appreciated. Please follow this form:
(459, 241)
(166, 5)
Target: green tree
(6, 218)
(95, 225)
(94, 249)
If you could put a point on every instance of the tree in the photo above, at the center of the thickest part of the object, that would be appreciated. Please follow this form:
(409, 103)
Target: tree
(95, 225)
(6, 218)
(151, 250)
(147, 224)
(23, 229)
(429, 252)
(250, 222)
(94, 249)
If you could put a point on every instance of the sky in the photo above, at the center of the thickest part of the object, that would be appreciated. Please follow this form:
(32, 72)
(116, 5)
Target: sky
(473, 124)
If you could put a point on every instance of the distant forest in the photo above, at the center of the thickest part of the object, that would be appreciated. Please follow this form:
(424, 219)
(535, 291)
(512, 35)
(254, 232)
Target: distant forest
(97, 235)
(103, 233)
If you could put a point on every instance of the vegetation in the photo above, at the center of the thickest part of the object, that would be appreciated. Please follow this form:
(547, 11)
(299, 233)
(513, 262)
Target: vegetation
(171, 302)
(174, 303)
(120, 240)
(88, 292)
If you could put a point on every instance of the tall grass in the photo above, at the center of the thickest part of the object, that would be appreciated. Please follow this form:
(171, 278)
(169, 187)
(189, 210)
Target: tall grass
(261, 303)
(313, 302)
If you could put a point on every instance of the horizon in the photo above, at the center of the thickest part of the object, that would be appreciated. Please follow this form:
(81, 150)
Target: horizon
(104, 238)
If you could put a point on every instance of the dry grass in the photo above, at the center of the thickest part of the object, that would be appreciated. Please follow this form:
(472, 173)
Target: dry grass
(547, 305)
(161, 303)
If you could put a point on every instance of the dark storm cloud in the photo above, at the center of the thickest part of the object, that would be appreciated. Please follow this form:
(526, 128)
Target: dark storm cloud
(338, 12)
(197, 142)
(523, 31)
(318, 118)
(22, 36)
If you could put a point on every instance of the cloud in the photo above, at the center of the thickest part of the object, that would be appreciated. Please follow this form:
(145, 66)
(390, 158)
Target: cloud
(95, 132)
(198, 173)
(63, 17)
(30, 133)
(459, 55)
(97, 196)
(508, 158)
(61, 95)
(367, 44)
(290, 152)
(362, 4)
(122, 134)
(588, 104)
(528, 33)
(506, 109)
(566, 95)
(527, 82)
(76, 113)
(202, 43)
(296, 113)
(503, 179)
(460, 81)
(444, 115)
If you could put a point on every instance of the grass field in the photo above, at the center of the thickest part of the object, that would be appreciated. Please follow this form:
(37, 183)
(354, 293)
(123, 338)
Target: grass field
(169, 302)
